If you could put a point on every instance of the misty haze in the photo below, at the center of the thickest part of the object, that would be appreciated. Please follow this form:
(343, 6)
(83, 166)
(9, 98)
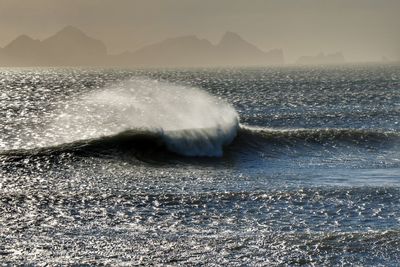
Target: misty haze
(199, 133)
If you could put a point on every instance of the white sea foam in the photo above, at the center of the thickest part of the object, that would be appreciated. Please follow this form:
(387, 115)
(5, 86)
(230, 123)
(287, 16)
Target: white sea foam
(190, 121)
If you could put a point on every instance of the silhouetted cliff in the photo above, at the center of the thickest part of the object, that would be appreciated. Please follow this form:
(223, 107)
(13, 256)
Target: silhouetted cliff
(180, 51)
(23, 51)
(68, 47)
(72, 47)
(188, 51)
(233, 50)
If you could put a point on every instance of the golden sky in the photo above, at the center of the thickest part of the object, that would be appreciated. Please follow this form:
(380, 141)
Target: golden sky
(363, 30)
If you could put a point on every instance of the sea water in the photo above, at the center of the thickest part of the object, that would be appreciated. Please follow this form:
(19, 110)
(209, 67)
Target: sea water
(242, 166)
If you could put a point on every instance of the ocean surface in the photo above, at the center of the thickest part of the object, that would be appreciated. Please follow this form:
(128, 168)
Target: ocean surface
(235, 167)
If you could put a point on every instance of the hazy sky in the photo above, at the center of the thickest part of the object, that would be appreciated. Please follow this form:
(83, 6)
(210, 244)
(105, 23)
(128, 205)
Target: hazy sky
(361, 29)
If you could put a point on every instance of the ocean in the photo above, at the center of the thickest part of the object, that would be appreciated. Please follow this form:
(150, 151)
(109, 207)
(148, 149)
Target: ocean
(225, 166)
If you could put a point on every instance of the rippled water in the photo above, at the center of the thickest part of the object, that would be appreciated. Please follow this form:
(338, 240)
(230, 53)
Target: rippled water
(312, 177)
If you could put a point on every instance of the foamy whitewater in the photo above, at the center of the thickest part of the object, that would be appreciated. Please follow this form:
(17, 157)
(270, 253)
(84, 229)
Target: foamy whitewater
(152, 167)
(190, 121)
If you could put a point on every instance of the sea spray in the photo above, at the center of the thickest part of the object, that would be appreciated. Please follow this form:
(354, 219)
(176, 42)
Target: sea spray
(190, 121)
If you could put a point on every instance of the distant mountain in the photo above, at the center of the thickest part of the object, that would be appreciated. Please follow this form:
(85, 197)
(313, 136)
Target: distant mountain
(190, 51)
(22, 51)
(68, 47)
(180, 51)
(322, 59)
(72, 47)
(233, 50)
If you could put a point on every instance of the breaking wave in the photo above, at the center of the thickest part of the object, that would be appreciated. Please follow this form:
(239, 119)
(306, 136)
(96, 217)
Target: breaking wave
(186, 120)
(145, 117)
(212, 141)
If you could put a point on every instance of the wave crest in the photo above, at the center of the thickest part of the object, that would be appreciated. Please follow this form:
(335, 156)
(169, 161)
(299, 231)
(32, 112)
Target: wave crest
(201, 142)
(210, 142)
(189, 121)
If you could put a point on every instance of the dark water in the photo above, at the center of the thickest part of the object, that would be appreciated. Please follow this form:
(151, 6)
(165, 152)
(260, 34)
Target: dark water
(312, 177)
